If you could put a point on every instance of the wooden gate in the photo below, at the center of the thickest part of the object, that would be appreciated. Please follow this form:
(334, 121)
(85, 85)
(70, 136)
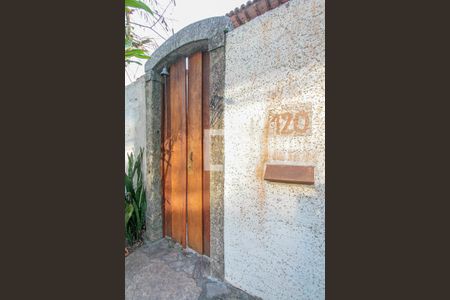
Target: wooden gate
(185, 180)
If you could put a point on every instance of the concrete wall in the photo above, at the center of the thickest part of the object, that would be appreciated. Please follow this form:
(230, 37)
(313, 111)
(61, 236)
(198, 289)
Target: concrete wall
(135, 120)
(274, 233)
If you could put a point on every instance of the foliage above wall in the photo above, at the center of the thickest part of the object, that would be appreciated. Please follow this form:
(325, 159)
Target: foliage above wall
(151, 13)
(134, 46)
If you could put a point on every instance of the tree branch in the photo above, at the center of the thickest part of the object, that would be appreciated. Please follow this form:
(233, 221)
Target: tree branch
(145, 26)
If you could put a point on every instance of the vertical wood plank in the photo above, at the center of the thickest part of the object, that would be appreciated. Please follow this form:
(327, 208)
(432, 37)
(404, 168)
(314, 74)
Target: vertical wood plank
(206, 126)
(195, 156)
(178, 155)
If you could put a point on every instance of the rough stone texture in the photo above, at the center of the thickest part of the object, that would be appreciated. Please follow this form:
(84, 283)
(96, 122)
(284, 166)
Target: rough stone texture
(187, 40)
(153, 159)
(217, 65)
(162, 270)
(214, 289)
(205, 35)
(135, 118)
(275, 232)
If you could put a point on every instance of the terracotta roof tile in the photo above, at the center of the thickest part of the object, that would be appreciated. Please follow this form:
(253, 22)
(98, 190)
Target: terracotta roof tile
(252, 9)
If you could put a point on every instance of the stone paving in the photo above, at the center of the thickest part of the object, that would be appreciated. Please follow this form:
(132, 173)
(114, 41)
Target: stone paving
(163, 270)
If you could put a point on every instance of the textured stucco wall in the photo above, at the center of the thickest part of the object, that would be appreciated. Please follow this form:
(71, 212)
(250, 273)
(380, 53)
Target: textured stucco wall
(274, 233)
(135, 117)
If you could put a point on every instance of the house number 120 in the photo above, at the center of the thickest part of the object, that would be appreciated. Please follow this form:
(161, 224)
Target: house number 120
(290, 123)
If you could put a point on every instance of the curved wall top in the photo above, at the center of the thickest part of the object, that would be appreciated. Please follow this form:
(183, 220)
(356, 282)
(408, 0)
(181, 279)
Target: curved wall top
(207, 34)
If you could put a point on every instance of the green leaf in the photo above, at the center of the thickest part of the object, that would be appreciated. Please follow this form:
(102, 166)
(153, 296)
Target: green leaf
(130, 163)
(137, 215)
(128, 213)
(132, 51)
(138, 4)
(141, 196)
(129, 186)
(138, 53)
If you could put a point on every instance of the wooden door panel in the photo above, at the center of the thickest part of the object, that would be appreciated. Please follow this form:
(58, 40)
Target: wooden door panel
(178, 153)
(185, 180)
(195, 158)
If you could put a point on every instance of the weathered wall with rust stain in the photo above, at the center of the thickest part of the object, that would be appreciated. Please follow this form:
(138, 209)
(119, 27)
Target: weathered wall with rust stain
(274, 233)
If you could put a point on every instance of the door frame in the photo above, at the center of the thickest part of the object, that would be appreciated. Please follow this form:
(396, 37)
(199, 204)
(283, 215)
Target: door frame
(208, 35)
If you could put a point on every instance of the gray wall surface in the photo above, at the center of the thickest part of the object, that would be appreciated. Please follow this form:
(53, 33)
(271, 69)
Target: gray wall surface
(135, 118)
(274, 233)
